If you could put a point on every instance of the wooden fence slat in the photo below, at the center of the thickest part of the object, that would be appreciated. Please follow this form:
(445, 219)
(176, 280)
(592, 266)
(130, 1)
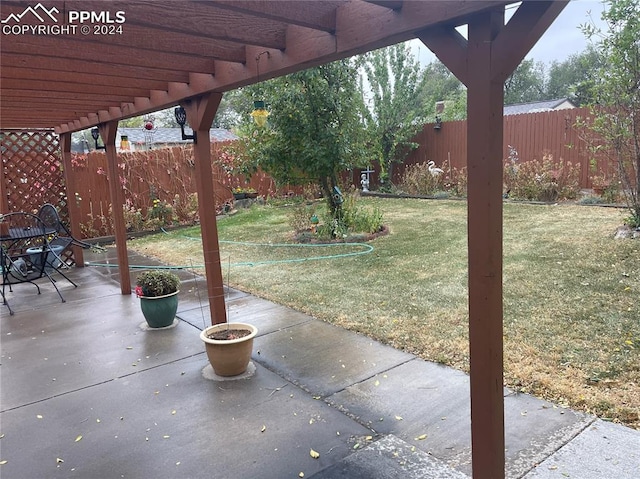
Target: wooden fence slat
(532, 134)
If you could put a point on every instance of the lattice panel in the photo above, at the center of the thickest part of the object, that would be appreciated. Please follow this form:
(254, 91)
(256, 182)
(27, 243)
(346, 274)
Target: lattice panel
(33, 173)
(33, 170)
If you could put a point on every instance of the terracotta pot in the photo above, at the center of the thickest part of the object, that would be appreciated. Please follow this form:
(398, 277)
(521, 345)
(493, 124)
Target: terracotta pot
(229, 357)
(159, 311)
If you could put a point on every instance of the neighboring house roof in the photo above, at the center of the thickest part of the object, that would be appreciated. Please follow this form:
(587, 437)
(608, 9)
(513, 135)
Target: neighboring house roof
(162, 136)
(538, 106)
(170, 135)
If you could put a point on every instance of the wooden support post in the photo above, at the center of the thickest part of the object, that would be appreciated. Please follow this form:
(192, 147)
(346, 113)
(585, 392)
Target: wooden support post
(484, 198)
(200, 114)
(483, 63)
(108, 134)
(72, 201)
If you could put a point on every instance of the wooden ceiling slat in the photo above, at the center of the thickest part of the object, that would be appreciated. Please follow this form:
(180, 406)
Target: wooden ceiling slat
(170, 50)
(206, 21)
(314, 15)
(114, 55)
(79, 78)
(145, 40)
(38, 62)
(26, 94)
(51, 86)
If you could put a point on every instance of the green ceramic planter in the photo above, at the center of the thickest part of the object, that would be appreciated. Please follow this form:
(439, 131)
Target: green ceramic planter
(159, 311)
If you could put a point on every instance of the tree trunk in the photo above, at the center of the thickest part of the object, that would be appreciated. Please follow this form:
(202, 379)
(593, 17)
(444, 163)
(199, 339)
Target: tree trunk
(334, 201)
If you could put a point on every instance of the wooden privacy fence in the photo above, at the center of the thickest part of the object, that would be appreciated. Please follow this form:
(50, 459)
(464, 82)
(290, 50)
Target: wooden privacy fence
(533, 135)
(32, 172)
(151, 179)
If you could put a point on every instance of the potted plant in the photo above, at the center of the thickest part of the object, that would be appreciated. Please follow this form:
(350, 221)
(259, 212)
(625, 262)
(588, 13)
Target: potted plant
(238, 193)
(229, 347)
(250, 193)
(158, 292)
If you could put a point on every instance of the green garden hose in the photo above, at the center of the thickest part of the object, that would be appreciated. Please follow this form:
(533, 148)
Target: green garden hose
(365, 249)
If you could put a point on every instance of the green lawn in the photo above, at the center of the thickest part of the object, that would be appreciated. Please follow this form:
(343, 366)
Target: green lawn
(571, 292)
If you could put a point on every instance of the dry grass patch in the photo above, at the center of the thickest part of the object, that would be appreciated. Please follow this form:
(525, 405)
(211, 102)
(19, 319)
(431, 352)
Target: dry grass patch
(571, 318)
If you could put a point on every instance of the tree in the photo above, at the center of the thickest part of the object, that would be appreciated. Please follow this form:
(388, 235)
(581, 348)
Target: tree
(397, 109)
(525, 84)
(440, 84)
(572, 77)
(616, 94)
(315, 129)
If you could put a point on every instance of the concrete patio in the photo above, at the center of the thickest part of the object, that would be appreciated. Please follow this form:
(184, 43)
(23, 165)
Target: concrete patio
(128, 402)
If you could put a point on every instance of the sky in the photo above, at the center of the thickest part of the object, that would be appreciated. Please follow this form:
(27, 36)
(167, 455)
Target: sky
(562, 39)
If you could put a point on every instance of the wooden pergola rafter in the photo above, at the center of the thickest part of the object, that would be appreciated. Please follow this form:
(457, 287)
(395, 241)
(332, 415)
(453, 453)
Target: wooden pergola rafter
(166, 53)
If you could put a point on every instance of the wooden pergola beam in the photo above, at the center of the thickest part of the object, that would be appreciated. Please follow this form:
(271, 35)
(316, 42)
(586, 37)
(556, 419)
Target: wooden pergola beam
(359, 27)
(200, 114)
(482, 63)
(72, 200)
(108, 134)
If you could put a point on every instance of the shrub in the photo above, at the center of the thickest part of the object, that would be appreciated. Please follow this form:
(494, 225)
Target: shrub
(633, 220)
(544, 180)
(186, 209)
(156, 283)
(591, 200)
(356, 219)
(161, 211)
(418, 180)
(300, 216)
(353, 219)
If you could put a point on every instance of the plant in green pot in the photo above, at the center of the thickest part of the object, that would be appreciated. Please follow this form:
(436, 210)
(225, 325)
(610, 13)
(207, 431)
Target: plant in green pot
(158, 292)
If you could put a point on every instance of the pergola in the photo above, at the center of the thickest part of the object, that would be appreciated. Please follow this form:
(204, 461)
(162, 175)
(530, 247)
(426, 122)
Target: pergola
(73, 65)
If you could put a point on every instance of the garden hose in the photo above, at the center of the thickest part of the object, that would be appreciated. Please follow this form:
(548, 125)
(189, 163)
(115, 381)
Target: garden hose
(365, 249)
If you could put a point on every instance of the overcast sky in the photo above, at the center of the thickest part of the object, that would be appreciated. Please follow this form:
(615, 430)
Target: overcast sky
(562, 39)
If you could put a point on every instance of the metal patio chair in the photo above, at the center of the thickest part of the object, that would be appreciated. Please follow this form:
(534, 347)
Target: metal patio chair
(25, 254)
(61, 239)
